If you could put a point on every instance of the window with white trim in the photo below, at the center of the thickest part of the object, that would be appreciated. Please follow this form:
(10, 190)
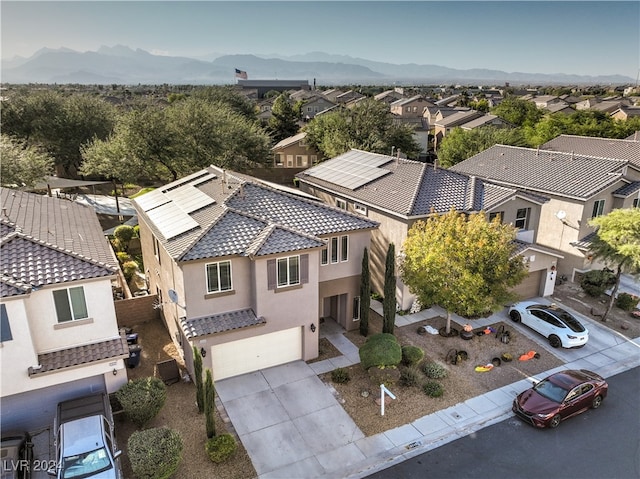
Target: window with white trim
(218, 277)
(497, 214)
(340, 203)
(156, 249)
(636, 202)
(290, 161)
(344, 248)
(70, 304)
(334, 249)
(522, 218)
(358, 208)
(5, 327)
(598, 208)
(356, 308)
(288, 271)
(324, 254)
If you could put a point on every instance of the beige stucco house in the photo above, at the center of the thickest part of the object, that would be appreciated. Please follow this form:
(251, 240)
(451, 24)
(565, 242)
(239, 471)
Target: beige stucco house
(246, 272)
(60, 338)
(397, 192)
(578, 187)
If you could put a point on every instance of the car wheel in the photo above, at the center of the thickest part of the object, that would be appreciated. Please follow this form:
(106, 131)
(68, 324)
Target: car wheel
(554, 341)
(555, 421)
(515, 316)
(597, 401)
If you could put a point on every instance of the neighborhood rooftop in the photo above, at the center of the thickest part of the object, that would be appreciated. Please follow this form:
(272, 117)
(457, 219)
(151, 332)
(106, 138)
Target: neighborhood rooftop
(628, 149)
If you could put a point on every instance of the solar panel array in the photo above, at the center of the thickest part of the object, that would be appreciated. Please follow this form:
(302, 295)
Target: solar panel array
(151, 200)
(189, 198)
(351, 170)
(171, 220)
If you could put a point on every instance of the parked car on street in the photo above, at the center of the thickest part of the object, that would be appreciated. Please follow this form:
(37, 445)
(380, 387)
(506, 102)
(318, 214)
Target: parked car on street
(16, 453)
(554, 323)
(560, 396)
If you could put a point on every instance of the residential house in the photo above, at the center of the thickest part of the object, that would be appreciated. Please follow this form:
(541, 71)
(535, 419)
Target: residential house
(410, 107)
(563, 108)
(248, 271)
(443, 126)
(264, 106)
(625, 112)
(389, 96)
(314, 105)
(332, 94)
(60, 338)
(485, 120)
(397, 192)
(349, 96)
(544, 101)
(260, 87)
(578, 186)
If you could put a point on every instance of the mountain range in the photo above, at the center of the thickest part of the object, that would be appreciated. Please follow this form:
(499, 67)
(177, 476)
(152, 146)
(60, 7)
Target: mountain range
(122, 65)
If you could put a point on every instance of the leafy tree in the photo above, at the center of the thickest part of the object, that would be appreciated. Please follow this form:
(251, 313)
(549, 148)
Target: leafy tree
(209, 404)
(284, 119)
(155, 453)
(461, 144)
(230, 97)
(617, 243)
(389, 303)
(518, 111)
(197, 372)
(142, 399)
(22, 165)
(368, 126)
(365, 294)
(463, 263)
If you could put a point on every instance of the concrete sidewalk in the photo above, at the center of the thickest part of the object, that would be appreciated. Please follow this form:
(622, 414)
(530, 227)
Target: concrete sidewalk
(292, 425)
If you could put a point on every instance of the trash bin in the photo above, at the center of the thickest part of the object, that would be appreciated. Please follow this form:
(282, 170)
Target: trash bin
(134, 356)
(132, 338)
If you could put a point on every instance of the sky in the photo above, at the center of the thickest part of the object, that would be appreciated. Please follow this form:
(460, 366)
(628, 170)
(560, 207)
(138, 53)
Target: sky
(574, 37)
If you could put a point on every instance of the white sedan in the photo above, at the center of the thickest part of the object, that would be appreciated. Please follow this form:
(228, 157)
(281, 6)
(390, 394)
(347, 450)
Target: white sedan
(555, 324)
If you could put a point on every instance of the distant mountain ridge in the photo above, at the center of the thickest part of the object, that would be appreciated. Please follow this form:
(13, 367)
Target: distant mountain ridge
(120, 64)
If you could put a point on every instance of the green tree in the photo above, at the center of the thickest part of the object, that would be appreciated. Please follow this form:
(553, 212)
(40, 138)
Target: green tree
(22, 165)
(197, 372)
(463, 263)
(209, 404)
(459, 144)
(231, 98)
(368, 126)
(617, 243)
(284, 119)
(581, 123)
(365, 294)
(518, 111)
(389, 303)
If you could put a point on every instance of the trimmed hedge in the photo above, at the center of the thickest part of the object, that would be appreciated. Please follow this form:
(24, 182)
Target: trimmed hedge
(220, 448)
(380, 350)
(412, 355)
(142, 399)
(155, 453)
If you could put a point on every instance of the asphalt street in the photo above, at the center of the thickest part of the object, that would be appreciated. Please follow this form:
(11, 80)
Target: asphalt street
(599, 444)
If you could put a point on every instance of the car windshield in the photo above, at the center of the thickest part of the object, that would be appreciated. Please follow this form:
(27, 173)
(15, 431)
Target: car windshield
(551, 391)
(570, 321)
(86, 465)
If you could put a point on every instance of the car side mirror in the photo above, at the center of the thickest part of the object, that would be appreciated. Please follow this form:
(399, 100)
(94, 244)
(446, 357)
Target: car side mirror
(534, 383)
(117, 454)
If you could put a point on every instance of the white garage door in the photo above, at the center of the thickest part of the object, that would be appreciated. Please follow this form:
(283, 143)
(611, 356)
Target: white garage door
(260, 352)
(530, 286)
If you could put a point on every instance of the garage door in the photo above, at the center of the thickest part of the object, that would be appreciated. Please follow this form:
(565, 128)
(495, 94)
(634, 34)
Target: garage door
(530, 286)
(260, 352)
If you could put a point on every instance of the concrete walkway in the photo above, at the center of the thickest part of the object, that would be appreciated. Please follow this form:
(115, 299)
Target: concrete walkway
(292, 425)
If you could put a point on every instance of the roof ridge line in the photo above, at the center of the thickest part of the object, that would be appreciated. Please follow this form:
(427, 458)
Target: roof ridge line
(416, 192)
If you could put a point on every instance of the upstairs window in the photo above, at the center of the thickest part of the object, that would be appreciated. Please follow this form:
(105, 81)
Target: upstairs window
(358, 208)
(334, 249)
(218, 277)
(497, 214)
(288, 271)
(522, 218)
(5, 327)
(598, 208)
(342, 204)
(70, 304)
(344, 248)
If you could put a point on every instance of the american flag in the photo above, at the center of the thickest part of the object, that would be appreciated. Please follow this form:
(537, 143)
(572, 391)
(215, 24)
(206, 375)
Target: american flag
(241, 74)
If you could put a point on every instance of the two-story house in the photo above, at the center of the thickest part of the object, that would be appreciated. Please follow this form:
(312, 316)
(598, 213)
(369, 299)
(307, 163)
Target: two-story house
(396, 193)
(315, 104)
(578, 186)
(60, 337)
(410, 107)
(246, 272)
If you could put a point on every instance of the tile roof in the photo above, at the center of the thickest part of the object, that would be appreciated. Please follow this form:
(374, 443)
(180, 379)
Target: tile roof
(627, 190)
(281, 240)
(477, 122)
(634, 137)
(584, 243)
(65, 358)
(458, 118)
(628, 149)
(289, 141)
(543, 171)
(35, 263)
(243, 210)
(219, 323)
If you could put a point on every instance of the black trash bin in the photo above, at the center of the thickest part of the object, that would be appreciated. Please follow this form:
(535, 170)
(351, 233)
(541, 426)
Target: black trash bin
(134, 356)
(132, 338)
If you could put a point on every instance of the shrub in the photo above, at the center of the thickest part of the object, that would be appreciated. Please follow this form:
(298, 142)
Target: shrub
(142, 399)
(123, 257)
(433, 389)
(412, 355)
(340, 376)
(626, 301)
(410, 377)
(136, 231)
(123, 234)
(596, 281)
(129, 268)
(154, 453)
(387, 376)
(209, 404)
(434, 370)
(220, 448)
(380, 350)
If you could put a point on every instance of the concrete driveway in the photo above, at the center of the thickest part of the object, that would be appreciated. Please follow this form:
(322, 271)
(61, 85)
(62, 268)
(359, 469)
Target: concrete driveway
(289, 422)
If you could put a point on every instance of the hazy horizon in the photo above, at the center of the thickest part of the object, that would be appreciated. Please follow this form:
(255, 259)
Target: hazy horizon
(575, 37)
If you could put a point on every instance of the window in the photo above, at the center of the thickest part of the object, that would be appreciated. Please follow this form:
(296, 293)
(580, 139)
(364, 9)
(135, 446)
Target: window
(324, 256)
(362, 209)
(289, 161)
(70, 304)
(288, 271)
(522, 218)
(5, 328)
(279, 159)
(344, 248)
(334, 249)
(598, 208)
(314, 159)
(636, 201)
(301, 160)
(497, 214)
(156, 249)
(342, 204)
(218, 277)
(356, 308)
(309, 109)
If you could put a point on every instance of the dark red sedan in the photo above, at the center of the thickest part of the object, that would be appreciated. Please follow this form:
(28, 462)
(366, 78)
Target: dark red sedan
(560, 396)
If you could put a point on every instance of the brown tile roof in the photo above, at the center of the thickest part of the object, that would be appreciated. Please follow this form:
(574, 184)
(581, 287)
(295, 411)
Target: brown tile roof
(628, 149)
(219, 323)
(110, 349)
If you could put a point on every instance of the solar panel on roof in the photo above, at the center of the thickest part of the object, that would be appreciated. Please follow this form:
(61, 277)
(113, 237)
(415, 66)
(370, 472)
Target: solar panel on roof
(189, 179)
(171, 220)
(151, 200)
(203, 179)
(351, 170)
(189, 198)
